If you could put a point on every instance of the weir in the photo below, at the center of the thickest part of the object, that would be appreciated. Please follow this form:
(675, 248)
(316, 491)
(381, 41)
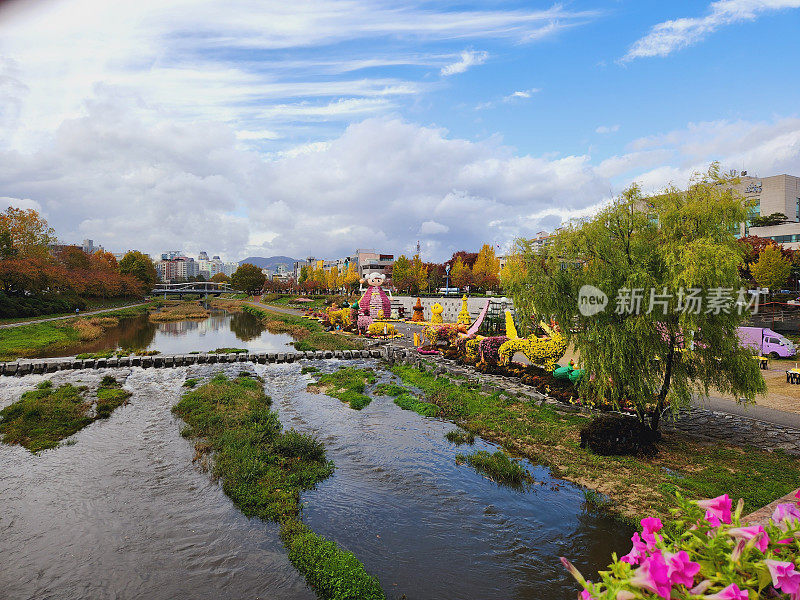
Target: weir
(160, 361)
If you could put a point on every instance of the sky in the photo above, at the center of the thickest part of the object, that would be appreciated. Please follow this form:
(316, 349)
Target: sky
(312, 128)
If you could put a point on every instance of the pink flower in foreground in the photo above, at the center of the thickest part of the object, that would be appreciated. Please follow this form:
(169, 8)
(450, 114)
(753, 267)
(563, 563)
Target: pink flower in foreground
(797, 495)
(732, 592)
(637, 553)
(680, 569)
(650, 526)
(748, 533)
(585, 595)
(718, 510)
(784, 576)
(652, 576)
(785, 512)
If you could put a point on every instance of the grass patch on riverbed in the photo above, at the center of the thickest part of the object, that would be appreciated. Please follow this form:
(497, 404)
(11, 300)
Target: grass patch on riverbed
(406, 399)
(179, 311)
(497, 466)
(347, 384)
(46, 415)
(637, 486)
(264, 469)
(308, 334)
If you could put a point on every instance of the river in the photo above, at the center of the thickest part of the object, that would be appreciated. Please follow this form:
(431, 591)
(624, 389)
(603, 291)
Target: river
(124, 513)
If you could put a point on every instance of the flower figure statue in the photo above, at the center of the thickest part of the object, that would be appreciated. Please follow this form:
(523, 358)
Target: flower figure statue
(374, 301)
(463, 315)
(418, 316)
(436, 313)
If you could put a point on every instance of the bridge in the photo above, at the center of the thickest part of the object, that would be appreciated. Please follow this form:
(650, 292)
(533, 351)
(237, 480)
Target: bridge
(204, 288)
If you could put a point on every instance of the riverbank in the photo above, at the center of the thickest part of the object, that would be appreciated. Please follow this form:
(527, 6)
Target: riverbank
(264, 469)
(95, 309)
(29, 340)
(630, 487)
(309, 335)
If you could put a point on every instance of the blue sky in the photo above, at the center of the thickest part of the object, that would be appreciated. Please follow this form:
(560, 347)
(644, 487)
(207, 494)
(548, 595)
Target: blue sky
(258, 127)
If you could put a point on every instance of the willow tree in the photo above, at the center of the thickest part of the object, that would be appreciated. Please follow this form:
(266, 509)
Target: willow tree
(667, 267)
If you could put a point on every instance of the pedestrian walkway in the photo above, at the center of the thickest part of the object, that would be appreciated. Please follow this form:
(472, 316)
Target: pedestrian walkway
(70, 316)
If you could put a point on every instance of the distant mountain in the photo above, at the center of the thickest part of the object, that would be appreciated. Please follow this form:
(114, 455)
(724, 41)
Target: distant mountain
(269, 263)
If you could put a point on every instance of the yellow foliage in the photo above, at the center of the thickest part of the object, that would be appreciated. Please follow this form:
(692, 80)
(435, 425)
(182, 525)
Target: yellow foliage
(511, 329)
(379, 328)
(463, 315)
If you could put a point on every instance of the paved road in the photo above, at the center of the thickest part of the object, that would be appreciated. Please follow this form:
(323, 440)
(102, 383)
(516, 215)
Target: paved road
(280, 309)
(752, 411)
(70, 316)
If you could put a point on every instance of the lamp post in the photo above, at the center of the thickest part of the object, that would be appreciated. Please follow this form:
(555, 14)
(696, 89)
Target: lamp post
(447, 285)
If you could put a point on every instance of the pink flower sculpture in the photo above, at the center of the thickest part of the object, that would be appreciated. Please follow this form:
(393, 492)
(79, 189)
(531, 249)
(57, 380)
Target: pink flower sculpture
(718, 510)
(797, 495)
(784, 577)
(748, 533)
(653, 576)
(732, 592)
(680, 569)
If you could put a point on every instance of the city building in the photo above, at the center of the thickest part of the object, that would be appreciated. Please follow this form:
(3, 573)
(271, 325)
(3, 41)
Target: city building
(770, 195)
(371, 261)
(175, 267)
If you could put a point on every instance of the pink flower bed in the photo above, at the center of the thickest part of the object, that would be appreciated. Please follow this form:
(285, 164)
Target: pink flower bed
(708, 554)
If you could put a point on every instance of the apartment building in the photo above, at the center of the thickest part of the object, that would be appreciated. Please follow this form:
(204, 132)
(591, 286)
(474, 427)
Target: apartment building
(770, 195)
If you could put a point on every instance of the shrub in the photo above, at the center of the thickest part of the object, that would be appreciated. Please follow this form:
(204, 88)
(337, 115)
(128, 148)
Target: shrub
(459, 437)
(293, 444)
(498, 466)
(609, 435)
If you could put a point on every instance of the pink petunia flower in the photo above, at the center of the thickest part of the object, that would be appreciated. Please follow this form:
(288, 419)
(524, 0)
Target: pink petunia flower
(718, 510)
(637, 553)
(585, 595)
(785, 512)
(653, 576)
(732, 592)
(680, 569)
(748, 533)
(784, 576)
(650, 526)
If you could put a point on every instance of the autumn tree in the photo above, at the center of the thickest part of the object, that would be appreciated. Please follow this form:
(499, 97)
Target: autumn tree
(248, 278)
(460, 274)
(140, 266)
(351, 278)
(401, 273)
(220, 278)
(29, 233)
(486, 270)
(772, 268)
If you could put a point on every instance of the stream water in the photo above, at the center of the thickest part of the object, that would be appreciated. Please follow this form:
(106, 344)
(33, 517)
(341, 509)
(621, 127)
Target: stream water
(124, 513)
(220, 330)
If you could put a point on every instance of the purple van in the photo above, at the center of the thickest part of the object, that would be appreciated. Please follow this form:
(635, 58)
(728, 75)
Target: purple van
(766, 342)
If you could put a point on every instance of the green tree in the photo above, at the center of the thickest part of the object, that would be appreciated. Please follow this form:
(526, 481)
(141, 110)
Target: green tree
(768, 220)
(248, 278)
(140, 266)
(772, 268)
(7, 249)
(303, 275)
(646, 357)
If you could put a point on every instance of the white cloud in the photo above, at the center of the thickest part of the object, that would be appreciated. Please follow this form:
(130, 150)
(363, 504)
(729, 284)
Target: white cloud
(604, 129)
(469, 58)
(432, 228)
(23, 203)
(670, 36)
(521, 94)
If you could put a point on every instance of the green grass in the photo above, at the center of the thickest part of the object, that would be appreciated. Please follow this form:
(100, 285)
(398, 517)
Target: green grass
(264, 469)
(407, 401)
(305, 370)
(636, 486)
(497, 466)
(308, 334)
(191, 382)
(459, 437)
(46, 415)
(347, 384)
(95, 355)
(229, 351)
(390, 389)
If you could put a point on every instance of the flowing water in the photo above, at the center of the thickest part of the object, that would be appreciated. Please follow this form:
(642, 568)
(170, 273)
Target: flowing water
(124, 513)
(220, 330)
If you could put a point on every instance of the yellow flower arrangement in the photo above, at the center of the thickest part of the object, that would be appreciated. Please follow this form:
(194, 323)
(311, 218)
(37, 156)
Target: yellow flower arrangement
(436, 313)
(463, 315)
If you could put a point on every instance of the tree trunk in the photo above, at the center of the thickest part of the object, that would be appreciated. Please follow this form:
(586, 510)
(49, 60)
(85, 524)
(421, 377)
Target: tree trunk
(662, 395)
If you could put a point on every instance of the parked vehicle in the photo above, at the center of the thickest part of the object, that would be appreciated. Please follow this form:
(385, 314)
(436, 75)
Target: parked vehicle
(448, 291)
(766, 342)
